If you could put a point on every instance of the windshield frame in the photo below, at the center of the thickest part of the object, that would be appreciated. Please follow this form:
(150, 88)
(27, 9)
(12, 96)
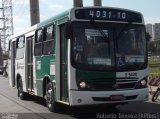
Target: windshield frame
(114, 66)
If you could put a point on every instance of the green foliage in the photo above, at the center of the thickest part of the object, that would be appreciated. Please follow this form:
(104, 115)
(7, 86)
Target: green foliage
(154, 64)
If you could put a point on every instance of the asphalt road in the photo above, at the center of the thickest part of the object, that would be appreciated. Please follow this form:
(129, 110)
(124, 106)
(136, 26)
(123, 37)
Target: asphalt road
(11, 107)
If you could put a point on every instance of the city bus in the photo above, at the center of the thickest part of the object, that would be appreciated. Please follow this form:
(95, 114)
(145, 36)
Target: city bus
(83, 56)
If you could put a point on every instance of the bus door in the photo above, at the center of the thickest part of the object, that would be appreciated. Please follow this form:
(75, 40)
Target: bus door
(13, 55)
(29, 62)
(63, 65)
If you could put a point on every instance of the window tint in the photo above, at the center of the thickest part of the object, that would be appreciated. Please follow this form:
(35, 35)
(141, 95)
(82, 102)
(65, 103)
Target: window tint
(38, 42)
(38, 49)
(20, 53)
(39, 36)
(48, 43)
(49, 32)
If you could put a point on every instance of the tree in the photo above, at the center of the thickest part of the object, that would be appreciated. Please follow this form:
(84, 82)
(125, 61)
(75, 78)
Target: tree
(148, 37)
(151, 47)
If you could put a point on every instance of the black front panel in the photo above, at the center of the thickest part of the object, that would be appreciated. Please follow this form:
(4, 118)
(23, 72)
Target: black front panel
(108, 14)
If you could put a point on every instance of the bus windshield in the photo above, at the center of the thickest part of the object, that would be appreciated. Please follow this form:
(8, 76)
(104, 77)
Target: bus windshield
(131, 46)
(107, 47)
(90, 48)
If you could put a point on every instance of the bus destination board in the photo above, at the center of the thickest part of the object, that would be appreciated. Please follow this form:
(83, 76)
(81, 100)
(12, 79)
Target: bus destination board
(108, 14)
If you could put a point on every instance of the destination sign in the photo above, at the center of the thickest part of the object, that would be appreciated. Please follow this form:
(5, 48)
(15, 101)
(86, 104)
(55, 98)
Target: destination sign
(108, 14)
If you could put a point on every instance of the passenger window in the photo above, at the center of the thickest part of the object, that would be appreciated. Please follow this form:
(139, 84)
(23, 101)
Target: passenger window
(38, 42)
(49, 33)
(48, 43)
(38, 49)
(20, 43)
(39, 36)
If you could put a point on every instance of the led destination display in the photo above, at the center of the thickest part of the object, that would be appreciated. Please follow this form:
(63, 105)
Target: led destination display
(108, 14)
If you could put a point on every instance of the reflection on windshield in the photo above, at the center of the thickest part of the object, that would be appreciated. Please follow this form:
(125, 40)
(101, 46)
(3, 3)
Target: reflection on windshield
(131, 46)
(93, 50)
(90, 47)
(131, 42)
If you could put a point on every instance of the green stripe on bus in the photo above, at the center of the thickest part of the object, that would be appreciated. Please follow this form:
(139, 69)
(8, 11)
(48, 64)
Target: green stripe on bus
(87, 75)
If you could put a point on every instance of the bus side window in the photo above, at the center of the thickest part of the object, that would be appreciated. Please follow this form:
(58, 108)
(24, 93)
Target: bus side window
(39, 36)
(38, 42)
(20, 43)
(48, 43)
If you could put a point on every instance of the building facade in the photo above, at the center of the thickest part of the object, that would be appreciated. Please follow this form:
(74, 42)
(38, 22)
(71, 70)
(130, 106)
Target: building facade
(156, 31)
(149, 29)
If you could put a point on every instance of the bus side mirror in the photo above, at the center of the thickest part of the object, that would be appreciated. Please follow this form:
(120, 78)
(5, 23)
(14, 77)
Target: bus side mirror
(68, 30)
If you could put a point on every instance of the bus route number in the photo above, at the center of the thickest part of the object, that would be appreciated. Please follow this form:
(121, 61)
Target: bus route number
(132, 74)
(107, 14)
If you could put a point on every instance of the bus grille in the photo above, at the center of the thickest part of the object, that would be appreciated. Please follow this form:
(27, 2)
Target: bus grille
(112, 86)
(109, 99)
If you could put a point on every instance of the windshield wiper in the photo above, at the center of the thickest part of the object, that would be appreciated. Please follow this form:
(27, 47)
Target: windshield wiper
(93, 23)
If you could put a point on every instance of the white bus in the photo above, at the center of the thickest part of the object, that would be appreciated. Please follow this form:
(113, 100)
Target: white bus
(84, 56)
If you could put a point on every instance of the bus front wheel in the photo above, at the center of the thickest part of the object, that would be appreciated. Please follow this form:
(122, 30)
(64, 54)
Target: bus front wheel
(50, 98)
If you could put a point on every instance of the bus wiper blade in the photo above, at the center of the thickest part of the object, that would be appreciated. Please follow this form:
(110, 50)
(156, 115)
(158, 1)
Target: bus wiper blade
(93, 23)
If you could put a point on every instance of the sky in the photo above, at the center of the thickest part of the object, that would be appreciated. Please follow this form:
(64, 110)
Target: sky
(21, 16)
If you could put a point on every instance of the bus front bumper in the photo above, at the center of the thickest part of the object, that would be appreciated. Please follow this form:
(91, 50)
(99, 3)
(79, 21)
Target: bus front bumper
(78, 98)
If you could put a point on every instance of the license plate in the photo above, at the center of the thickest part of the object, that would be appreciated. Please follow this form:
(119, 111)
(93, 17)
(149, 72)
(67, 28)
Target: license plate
(117, 97)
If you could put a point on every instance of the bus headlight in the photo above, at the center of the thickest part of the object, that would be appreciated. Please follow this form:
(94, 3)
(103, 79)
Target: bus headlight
(82, 84)
(142, 83)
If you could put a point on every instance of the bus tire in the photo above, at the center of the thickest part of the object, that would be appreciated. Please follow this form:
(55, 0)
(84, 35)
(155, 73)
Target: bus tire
(50, 98)
(21, 94)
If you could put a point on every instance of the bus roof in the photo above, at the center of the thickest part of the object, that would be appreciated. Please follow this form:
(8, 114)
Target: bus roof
(53, 19)
(41, 24)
